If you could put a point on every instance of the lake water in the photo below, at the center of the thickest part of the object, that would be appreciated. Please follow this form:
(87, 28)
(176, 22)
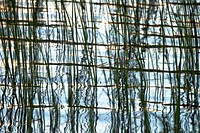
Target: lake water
(99, 66)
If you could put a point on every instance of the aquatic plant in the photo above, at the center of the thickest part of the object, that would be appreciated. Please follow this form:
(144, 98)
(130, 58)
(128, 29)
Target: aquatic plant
(80, 65)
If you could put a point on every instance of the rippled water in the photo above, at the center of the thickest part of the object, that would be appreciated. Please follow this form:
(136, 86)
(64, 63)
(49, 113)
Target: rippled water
(99, 66)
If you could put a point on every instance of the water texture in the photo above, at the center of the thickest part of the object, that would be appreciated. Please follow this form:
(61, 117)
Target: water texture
(99, 66)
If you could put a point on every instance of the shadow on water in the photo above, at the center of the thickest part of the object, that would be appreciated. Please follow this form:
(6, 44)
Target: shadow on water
(99, 66)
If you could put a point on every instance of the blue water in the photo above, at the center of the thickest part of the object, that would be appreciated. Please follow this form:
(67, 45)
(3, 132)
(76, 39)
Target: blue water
(78, 86)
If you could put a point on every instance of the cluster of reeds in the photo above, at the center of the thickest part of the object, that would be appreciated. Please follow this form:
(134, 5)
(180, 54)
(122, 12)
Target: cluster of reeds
(141, 57)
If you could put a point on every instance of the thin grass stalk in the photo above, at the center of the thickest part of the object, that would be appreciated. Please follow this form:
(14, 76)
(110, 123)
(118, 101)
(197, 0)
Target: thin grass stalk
(10, 30)
(4, 58)
(143, 83)
(112, 73)
(194, 22)
(176, 95)
(72, 48)
(74, 113)
(95, 70)
(194, 55)
(162, 75)
(116, 72)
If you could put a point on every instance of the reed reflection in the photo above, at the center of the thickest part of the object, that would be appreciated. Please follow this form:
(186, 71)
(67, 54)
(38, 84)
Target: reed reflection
(99, 66)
